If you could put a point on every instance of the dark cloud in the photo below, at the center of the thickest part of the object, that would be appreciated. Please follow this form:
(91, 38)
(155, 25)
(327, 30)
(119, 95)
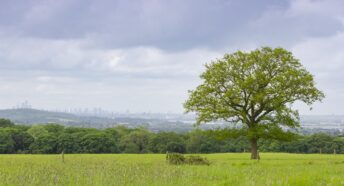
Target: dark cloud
(177, 24)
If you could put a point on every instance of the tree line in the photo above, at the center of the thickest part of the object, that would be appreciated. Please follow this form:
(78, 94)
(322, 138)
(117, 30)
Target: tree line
(54, 138)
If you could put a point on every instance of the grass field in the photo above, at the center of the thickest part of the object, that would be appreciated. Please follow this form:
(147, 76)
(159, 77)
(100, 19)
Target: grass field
(151, 169)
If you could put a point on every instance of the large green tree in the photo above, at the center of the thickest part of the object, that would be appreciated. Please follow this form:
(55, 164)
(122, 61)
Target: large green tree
(255, 90)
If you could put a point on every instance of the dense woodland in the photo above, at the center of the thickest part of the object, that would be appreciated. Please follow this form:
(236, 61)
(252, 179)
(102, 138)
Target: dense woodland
(54, 138)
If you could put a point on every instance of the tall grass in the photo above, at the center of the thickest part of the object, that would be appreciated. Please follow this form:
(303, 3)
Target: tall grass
(152, 169)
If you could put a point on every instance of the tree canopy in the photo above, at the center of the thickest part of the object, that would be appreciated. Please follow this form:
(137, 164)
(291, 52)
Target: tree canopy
(255, 89)
(120, 139)
(6, 122)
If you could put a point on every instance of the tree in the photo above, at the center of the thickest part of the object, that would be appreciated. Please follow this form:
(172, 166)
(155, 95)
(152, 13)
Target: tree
(6, 123)
(163, 142)
(37, 131)
(69, 143)
(98, 142)
(44, 144)
(255, 90)
(6, 142)
(22, 140)
(198, 141)
(54, 128)
(320, 143)
(136, 141)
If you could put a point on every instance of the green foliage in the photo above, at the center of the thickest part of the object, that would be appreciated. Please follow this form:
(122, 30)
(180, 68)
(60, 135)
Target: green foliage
(167, 142)
(113, 132)
(51, 139)
(196, 160)
(54, 128)
(6, 123)
(178, 159)
(175, 158)
(199, 142)
(256, 91)
(136, 141)
(69, 143)
(22, 140)
(38, 131)
(98, 142)
(6, 142)
(44, 144)
(175, 147)
(254, 88)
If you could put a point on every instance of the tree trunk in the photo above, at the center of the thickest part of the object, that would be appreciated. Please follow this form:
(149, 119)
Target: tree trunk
(254, 149)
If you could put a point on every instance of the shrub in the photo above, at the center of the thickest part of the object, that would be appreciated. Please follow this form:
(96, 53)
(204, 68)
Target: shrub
(178, 159)
(196, 160)
(175, 158)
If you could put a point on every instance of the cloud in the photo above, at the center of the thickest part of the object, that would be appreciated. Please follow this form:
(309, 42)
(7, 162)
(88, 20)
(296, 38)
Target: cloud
(54, 73)
(145, 54)
(289, 25)
(173, 25)
(72, 57)
(324, 58)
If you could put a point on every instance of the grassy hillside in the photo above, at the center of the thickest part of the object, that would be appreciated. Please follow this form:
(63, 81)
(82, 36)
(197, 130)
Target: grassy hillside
(151, 169)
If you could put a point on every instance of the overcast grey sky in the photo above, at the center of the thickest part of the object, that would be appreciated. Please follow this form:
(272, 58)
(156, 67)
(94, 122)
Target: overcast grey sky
(143, 55)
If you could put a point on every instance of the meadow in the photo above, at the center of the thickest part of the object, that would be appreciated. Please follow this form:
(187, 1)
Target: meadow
(152, 169)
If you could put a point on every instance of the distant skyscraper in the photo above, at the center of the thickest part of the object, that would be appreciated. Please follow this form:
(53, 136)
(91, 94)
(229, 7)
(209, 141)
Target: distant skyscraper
(25, 105)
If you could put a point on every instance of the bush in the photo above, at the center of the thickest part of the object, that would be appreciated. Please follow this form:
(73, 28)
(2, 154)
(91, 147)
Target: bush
(175, 158)
(196, 160)
(178, 159)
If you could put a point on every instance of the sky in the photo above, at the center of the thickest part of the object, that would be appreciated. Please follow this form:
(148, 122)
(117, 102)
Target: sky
(144, 55)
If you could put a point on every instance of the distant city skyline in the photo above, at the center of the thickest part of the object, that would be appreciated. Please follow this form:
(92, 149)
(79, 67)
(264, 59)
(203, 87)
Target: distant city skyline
(94, 111)
(27, 105)
(144, 55)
